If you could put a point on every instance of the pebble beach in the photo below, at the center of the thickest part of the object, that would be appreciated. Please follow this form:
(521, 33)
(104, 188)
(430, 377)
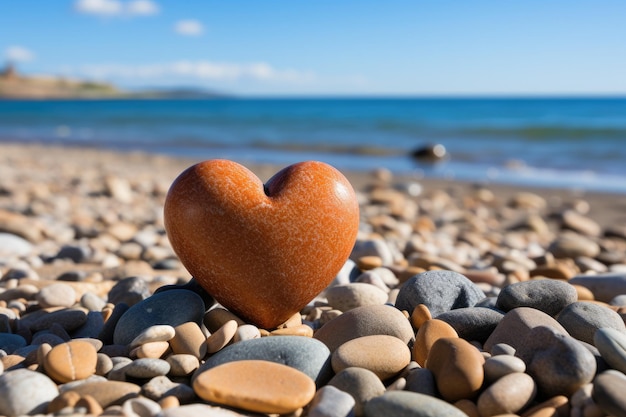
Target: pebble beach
(459, 299)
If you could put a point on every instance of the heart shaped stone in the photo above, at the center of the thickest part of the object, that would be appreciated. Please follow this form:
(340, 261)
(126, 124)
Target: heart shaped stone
(263, 252)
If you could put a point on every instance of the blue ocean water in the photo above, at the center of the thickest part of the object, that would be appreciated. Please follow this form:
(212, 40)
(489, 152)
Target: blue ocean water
(577, 143)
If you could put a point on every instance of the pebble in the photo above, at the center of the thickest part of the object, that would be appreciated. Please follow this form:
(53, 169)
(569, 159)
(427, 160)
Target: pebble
(25, 392)
(56, 295)
(221, 337)
(420, 315)
(603, 286)
(151, 350)
(558, 363)
(574, 245)
(409, 404)
(246, 332)
(440, 291)
(498, 366)
(431, 331)
(156, 333)
(182, 364)
(458, 368)
(141, 407)
(199, 409)
(548, 295)
(307, 355)
(129, 291)
(611, 344)
(472, 323)
(331, 402)
(147, 368)
(365, 321)
(170, 307)
(189, 339)
(583, 318)
(254, 385)
(11, 342)
(12, 245)
(421, 380)
(384, 355)
(508, 395)
(608, 392)
(361, 384)
(69, 319)
(71, 361)
(356, 294)
(161, 387)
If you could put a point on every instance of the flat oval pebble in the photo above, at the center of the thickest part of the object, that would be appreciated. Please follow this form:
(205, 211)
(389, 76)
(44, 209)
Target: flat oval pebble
(409, 404)
(182, 364)
(548, 295)
(611, 344)
(108, 393)
(507, 395)
(307, 355)
(458, 368)
(172, 307)
(553, 407)
(472, 323)
(440, 291)
(356, 294)
(583, 318)
(221, 337)
(361, 384)
(199, 409)
(189, 339)
(147, 368)
(25, 392)
(71, 361)
(70, 319)
(261, 386)
(331, 402)
(156, 333)
(384, 355)
(498, 366)
(428, 333)
(365, 321)
(150, 350)
(56, 295)
(608, 392)
(603, 286)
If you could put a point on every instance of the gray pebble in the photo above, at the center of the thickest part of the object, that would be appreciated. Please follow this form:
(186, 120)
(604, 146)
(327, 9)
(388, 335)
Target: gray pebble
(198, 409)
(360, 383)
(548, 295)
(92, 302)
(129, 291)
(14, 246)
(147, 368)
(25, 392)
(76, 253)
(69, 319)
(161, 386)
(472, 323)
(410, 404)
(375, 247)
(331, 402)
(502, 349)
(501, 365)
(581, 319)
(611, 344)
(608, 393)
(92, 327)
(440, 291)
(603, 286)
(422, 381)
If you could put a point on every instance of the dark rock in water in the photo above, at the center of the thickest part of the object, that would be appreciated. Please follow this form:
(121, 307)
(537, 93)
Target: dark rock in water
(430, 153)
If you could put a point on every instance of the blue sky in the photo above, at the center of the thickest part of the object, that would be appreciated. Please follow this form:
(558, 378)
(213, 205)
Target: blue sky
(326, 47)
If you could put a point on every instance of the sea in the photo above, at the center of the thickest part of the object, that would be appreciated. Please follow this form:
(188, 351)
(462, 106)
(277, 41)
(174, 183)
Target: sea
(574, 143)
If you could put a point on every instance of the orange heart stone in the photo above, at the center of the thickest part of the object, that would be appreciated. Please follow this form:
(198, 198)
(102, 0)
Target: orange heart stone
(263, 252)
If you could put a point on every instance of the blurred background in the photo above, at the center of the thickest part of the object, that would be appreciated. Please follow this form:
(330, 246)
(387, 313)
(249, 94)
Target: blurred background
(527, 92)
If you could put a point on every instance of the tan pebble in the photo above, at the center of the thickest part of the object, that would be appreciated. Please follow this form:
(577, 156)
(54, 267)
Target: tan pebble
(104, 364)
(222, 336)
(509, 394)
(584, 293)
(457, 367)
(253, 385)
(554, 271)
(293, 321)
(156, 333)
(12, 361)
(42, 352)
(429, 332)
(150, 350)
(108, 393)
(366, 263)
(189, 339)
(468, 407)
(264, 332)
(169, 401)
(63, 400)
(90, 404)
(106, 313)
(246, 332)
(301, 330)
(328, 315)
(217, 317)
(71, 361)
(420, 315)
(408, 272)
(406, 314)
(384, 355)
(558, 406)
(56, 295)
(182, 364)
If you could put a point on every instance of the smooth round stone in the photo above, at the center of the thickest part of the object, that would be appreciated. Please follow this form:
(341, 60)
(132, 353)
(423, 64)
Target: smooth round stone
(69, 319)
(472, 323)
(440, 291)
(515, 326)
(458, 368)
(421, 380)
(409, 404)
(608, 392)
(365, 321)
(25, 392)
(56, 295)
(246, 332)
(307, 355)
(71, 361)
(603, 286)
(498, 366)
(573, 245)
(611, 344)
(157, 333)
(361, 384)
(260, 386)
(195, 410)
(221, 337)
(420, 315)
(169, 307)
(217, 317)
(141, 407)
(331, 402)
(147, 368)
(150, 350)
(356, 294)
(182, 364)
(507, 395)
(558, 363)
(129, 291)
(583, 318)
(107, 393)
(431, 331)
(384, 355)
(10, 342)
(160, 387)
(12, 245)
(548, 295)
(189, 339)
(92, 302)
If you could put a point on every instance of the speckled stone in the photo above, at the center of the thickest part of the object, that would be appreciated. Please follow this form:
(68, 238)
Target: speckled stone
(548, 295)
(170, 307)
(361, 384)
(25, 392)
(608, 392)
(356, 294)
(409, 404)
(611, 344)
(428, 333)
(440, 291)
(472, 323)
(295, 233)
(507, 395)
(307, 355)
(458, 368)
(583, 318)
(384, 355)
(603, 286)
(558, 363)
(331, 402)
(71, 361)
(365, 321)
(260, 386)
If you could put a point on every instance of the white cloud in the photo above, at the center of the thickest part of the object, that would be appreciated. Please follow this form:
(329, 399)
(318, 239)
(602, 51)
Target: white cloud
(111, 8)
(189, 27)
(18, 54)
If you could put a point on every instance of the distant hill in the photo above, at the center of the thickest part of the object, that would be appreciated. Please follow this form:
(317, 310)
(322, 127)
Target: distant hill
(16, 86)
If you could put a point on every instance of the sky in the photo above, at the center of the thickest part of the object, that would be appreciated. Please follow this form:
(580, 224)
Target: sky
(326, 47)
